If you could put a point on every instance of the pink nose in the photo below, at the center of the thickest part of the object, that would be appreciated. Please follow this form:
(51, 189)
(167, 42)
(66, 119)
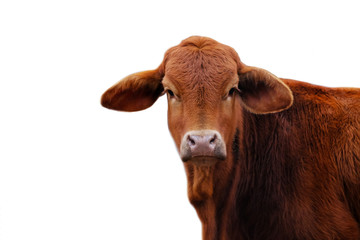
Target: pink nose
(204, 144)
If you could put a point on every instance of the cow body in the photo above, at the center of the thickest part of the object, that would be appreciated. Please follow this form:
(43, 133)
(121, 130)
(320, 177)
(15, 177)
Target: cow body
(266, 158)
(295, 174)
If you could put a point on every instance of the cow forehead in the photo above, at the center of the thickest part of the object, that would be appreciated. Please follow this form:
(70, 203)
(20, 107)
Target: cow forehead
(188, 66)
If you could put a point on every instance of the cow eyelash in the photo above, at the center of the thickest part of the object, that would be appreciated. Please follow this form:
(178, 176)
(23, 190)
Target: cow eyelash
(171, 93)
(231, 92)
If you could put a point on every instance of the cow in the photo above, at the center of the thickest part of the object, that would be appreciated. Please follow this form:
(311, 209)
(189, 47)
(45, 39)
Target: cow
(265, 157)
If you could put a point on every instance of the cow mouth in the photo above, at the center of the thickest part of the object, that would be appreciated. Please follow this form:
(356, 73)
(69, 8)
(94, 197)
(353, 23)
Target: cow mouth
(204, 161)
(200, 170)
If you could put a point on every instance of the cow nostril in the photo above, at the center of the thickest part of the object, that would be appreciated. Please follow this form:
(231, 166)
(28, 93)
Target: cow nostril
(213, 139)
(202, 144)
(191, 141)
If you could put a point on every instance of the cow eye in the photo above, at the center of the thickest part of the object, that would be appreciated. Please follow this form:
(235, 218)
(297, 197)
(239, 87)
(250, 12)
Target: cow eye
(171, 93)
(232, 90)
(230, 93)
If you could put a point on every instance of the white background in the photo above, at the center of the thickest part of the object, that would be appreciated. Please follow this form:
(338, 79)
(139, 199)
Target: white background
(70, 169)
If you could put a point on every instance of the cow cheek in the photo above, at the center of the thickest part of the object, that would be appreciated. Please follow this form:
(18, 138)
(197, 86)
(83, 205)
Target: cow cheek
(176, 122)
(228, 118)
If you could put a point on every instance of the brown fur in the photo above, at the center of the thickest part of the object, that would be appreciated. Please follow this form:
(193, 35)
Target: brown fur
(293, 149)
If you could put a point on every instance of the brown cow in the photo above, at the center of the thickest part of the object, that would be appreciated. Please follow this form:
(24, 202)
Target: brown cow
(265, 158)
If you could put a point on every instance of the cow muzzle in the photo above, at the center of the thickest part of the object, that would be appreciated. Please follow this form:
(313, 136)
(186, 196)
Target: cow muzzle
(204, 147)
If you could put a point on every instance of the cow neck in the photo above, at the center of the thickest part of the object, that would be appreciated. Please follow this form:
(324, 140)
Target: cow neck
(212, 191)
(266, 171)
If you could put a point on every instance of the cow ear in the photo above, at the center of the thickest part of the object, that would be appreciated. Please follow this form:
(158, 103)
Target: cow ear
(135, 92)
(262, 92)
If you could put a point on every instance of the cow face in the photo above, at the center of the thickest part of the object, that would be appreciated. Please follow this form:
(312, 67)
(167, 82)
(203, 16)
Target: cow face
(207, 87)
(201, 83)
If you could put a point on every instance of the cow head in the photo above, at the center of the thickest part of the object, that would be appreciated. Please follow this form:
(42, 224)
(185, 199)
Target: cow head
(208, 88)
